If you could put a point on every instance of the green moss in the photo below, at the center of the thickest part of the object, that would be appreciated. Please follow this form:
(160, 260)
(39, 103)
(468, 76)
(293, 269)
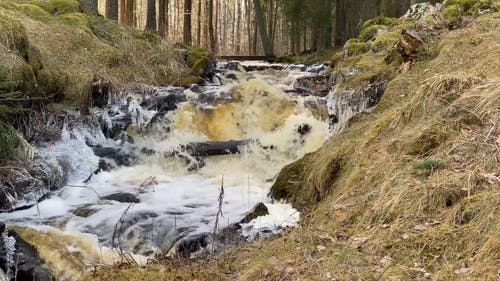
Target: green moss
(483, 5)
(194, 55)
(354, 47)
(200, 66)
(451, 13)
(78, 20)
(465, 5)
(385, 41)
(370, 32)
(336, 58)
(188, 81)
(380, 20)
(58, 7)
(34, 12)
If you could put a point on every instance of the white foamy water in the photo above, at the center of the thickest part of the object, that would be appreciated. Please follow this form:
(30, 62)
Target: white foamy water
(183, 203)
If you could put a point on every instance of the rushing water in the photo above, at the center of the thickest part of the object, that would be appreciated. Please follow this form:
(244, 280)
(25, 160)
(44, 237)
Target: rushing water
(178, 201)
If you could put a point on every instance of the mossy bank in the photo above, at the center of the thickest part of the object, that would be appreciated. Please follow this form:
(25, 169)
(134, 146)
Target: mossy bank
(52, 49)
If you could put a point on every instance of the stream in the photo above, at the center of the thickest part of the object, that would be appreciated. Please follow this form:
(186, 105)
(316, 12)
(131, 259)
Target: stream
(136, 182)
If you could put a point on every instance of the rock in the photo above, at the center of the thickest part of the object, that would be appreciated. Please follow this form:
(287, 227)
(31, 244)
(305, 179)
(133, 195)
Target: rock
(19, 257)
(425, 12)
(408, 44)
(85, 211)
(249, 68)
(100, 92)
(214, 148)
(120, 156)
(116, 124)
(357, 242)
(232, 65)
(231, 76)
(343, 104)
(123, 197)
(314, 85)
(24, 184)
(165, 102)
(258, 210)
(304, 129)
(193, 244)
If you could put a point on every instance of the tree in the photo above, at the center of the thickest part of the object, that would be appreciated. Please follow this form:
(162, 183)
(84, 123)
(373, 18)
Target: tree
(162, 17)
(112, 9)
(187, 22)
(129, 12)
(213, 44)
(151, 16)
(266, 43)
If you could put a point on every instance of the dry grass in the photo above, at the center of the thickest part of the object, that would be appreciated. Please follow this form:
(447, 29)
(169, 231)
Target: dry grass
(376, 217)
(63, 49)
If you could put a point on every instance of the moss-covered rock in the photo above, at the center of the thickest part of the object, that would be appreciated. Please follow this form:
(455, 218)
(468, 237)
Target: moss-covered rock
(372, 32)
(201, 62)
(385, 41)
(380, 20)
(188, 81)
(354, 47)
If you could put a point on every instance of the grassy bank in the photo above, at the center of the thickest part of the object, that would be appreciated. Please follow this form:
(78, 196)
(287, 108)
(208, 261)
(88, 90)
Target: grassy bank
(53, 49)
(407, 192)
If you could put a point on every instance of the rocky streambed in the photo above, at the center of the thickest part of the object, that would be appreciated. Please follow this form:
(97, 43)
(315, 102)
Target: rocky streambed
(167, 170)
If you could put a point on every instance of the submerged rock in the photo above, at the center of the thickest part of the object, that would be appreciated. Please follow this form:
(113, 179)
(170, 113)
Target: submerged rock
(123, 197)
(119, 155)
(258, 210)
(19, 260)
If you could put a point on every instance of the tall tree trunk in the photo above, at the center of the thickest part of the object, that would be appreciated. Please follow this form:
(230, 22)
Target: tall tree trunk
(130, 12)
(112, 9)
(340, 22)
(198, 31)
(151, 16)
(211, 32)
(266, 43)
(187, 22)
(162, 17)
(122, 9)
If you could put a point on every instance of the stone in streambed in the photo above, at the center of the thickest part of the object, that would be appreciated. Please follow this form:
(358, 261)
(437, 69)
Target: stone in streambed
(122, 197)
(19, 257)
(258, 210)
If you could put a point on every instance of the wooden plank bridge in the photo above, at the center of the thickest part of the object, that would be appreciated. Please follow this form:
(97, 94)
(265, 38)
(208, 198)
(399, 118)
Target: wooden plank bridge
(243, 58)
